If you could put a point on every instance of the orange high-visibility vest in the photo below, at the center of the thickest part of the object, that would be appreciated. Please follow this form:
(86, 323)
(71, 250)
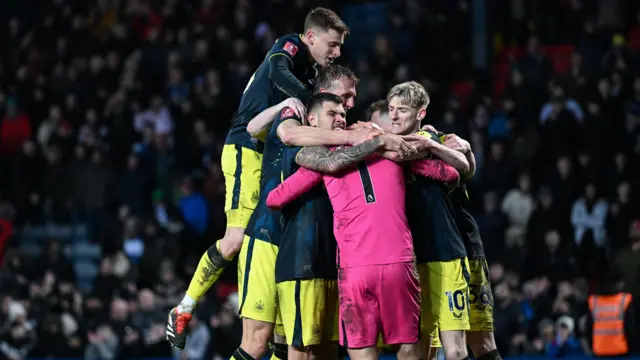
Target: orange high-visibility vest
(608, 323)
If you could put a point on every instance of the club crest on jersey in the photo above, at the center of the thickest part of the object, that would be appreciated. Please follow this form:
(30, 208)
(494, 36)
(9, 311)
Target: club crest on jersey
(286, 113)
(259, 306)
(290, 48)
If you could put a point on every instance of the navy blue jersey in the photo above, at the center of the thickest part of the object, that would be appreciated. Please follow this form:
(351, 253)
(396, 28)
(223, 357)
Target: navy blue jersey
(467, 224)
(261, 93)
(308, 246)
(265, 224)
(432, 219)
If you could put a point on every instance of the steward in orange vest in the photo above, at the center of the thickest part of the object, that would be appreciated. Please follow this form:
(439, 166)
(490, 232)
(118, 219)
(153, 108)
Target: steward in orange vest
(611, 321)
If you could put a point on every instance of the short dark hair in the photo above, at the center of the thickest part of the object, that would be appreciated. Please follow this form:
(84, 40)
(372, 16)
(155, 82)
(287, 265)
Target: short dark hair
(380, 105)
(320, 98)
(325, 19)
(332, 73)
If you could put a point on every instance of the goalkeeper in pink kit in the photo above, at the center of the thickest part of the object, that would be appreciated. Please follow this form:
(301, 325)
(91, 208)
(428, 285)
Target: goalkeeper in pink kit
(378, 285)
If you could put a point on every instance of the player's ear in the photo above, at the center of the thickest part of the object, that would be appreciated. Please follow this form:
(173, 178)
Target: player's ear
(422, 113)
(322, 90)
(311, 36)
(311, 119)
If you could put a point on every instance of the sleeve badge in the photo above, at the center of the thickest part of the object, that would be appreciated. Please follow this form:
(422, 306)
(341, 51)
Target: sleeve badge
(290, 48)
(287, 113)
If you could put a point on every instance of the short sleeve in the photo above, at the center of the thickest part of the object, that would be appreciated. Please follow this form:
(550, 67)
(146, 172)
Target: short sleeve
(285, 114)
(288, 113)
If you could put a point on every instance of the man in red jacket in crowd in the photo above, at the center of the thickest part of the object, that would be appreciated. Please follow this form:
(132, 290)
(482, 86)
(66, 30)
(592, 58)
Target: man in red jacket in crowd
(15, 129)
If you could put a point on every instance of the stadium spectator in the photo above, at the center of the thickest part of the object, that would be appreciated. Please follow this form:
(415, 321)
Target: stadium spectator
(18, 334)
(518, 205)
(611, 320)
(15, 130)
(193, 208)
(135, 186)
(103, 344)
(157, 117)
(565, 344)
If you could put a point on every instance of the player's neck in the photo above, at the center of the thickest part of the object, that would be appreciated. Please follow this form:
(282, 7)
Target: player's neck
(305, 41)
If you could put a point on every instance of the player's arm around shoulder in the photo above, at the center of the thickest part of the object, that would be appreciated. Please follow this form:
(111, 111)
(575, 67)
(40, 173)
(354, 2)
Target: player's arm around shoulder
(401, 148)
(393, 147)
(286, 131)
(454, 142)
(320, 158)
(294, 133)
(457, 143)
(431, 143)
(415, 144)
(430, 166)
(259, 126)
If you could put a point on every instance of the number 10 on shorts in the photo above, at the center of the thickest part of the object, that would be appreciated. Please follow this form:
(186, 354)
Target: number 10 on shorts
(456, 300)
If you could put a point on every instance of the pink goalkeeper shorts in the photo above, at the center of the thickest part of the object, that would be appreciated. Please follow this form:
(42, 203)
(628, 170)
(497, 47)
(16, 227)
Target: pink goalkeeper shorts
(379, 299)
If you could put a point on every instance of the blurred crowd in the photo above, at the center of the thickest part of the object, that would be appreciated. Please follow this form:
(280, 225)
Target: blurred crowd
(115, 113)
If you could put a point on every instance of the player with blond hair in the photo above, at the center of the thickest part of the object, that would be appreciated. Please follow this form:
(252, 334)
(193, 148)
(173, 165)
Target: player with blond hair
(439, 247)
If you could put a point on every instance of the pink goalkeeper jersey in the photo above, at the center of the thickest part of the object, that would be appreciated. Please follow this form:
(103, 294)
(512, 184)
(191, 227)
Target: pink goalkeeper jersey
(370, 224)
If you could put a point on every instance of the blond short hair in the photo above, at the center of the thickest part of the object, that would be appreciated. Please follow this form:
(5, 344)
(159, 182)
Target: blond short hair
(410, 93)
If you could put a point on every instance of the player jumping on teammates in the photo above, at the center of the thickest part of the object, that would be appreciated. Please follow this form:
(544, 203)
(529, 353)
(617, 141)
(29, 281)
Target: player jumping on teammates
(288, 70)
(342, 82)
(257, 260)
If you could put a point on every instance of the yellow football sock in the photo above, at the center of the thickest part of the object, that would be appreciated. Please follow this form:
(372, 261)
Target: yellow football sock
(209, 269)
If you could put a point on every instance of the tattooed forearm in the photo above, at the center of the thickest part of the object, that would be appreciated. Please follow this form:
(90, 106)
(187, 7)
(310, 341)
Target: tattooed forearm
(320, 158)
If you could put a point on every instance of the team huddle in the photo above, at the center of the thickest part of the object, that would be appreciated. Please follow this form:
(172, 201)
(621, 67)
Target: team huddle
(357, 235)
